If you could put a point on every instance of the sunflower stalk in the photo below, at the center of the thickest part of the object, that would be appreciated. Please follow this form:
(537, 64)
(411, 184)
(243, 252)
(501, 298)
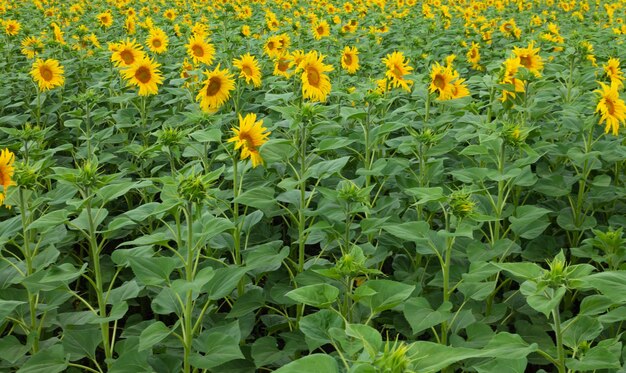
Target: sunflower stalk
(189, 276)
(237, 184)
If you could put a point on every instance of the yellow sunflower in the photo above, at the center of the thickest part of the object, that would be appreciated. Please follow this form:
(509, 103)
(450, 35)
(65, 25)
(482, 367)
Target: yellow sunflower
(145, 74)
(249, 137)
(350, 59)
(459, 89)
(613, 71)
(31, 47)
(47, 74)
(216, 89)
(6, 172)
(315, 83)
(511, 66)
(157, 40)
(473, 55)
(321, 29)
(272, 46)
(282, 65)
(249, 68)
(12, 27)
(127, 53)
(170, 14)
(105, 19)
(529, 58)
(441, 81)
(611, 107)
(397, 67)
(200, 50)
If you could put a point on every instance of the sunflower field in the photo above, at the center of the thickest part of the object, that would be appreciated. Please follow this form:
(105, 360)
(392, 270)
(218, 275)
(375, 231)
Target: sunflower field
(312, 186)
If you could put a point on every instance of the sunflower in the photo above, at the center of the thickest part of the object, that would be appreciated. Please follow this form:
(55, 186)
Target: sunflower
(31, 47)
(613, 71)
(245, 30)
(127, 53)
(529, 58)
(105, 19)
(459, 89)
(249, 137)
(6, 172)
(473, 55)
(47, 74)
(315, 83)
(272, 46)
(612, 108)
(216, 89)
(441, 81)
(397, 67)
(321, 29)
(200, 50)
(145, 74)
(12, 27)
(157, 41)
(170, 14)
(350, 59)
(511, 66)
(249, 68)
(297, 56)
(282, 65)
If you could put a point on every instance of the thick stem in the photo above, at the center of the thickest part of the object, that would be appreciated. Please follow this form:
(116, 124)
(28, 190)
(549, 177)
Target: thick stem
(237, 228)
(189, 275)
(559, 340)
(33, 299)
(301, 217)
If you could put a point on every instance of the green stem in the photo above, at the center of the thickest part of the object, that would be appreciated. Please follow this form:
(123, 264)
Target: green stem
(559, 340)
(301, 217)
(501, 186)
(237, 228)
(189, 275)
(33, 299)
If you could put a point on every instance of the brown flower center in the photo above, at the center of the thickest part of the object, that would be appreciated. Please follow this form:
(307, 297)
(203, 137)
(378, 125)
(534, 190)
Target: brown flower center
(143, 74)
(525, 61)
(313, 76)
(197, 50)
(157, 43)
(247, 71)
(610, 105)
(214, 86)
(127, 56)
(439, 82)
(347, 59)
(46, 73)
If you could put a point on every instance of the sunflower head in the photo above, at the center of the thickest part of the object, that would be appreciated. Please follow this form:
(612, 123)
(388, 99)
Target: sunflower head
(7, 158)
(47, 74)
(216, 89)
(249, 69)
(200, 50)
(145, 74)
(397, 68)
(249, 137)
(157, 40)
(126, 53)
(315, 83)
(350, 59)
(611, 107)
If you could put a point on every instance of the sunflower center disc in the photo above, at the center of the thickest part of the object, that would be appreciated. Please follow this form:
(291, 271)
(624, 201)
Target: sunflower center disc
(313, 76)
(213, 87)
(143, 74)
(127, 57)
(46, 73)
(198, 51)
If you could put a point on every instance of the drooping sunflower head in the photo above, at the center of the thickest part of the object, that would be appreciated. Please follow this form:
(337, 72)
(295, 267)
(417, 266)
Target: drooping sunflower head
(157, 41)
(249, 69)
(397, 68)
(47, 74)
(200, 50)
(350, 59)
(216, 89)
(611, 107)
(127, 53)
(6, 172)
(249, 137)
(145, 74)
(315, 83)
(612, 70)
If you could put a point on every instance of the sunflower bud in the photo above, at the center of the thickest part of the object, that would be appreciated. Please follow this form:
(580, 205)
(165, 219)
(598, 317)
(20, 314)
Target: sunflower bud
(556, 276)
(514, 134)
(25, 175)
(88, 175)
(461, 204)
(170, 136)
(193, 189)
(396, 358)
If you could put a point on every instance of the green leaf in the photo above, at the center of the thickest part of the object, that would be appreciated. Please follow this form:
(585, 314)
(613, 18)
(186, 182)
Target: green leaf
(48, 221)
(216, 348)
(81, 341)
(544, 300)
(11, 349)
(153, 271)
(609, 283)
(421, 316)
(381, 295)
(250, 301)
(317, 295)
(316, 325)
(153, 334)
(128, 290)
(529, 221)
(326, 168)
(606, 355)
(224, 281)
(48, 360)
(370, 338)
(261, 198)
(265, 351)
(416, 231)
(580, 329)
(7, 307)
(315, 363)
(521, 270)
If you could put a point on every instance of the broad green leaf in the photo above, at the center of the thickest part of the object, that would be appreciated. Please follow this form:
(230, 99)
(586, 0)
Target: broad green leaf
(81, 341)
(521, 270)
(48, 360)
(216, 348)
(580, 329)
(410, 231)
(315, 363)
(261, 198)
(318, 295)
(152, 335)
(529, 221)
(326, 168)
(544, 300)
(316, 325)
(11, 349)
(153, 271)
(382, 295)
(421, 316)
(50, 220)
(224, 281)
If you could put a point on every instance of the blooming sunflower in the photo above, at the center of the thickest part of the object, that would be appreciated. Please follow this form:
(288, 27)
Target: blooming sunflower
(613, 71)
(249, 137)
(282, 65)
(127, 53)
(611, 107)
(441, 78)
(397, 67)
(105, 19)
(350, 59)
(47, 74)
(157, 40)
(473, 54)
(216, 89)
(12, 27)
(529, 58)
(31, 47)
(315, 83)
(145, 74)
(272, 46)
(6, 172)
(249, 68)
(200, 50)
(511, 66)
(459, 89)
(321, 29)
